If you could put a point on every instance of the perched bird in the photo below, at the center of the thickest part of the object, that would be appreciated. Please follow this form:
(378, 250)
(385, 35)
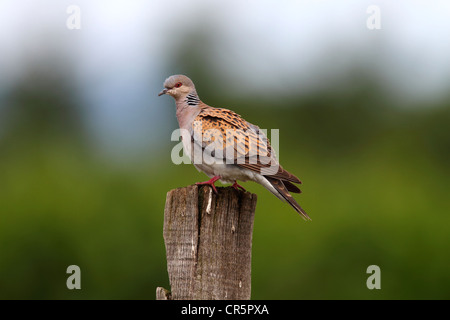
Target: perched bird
(226, 147)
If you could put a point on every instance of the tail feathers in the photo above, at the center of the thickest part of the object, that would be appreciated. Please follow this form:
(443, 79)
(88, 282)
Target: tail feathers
(291, 187)
(282, 190)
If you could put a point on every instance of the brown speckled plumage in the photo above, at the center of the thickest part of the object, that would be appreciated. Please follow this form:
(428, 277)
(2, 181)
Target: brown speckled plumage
(241, 150)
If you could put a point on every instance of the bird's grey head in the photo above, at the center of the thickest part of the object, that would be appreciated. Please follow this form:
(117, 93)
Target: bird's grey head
(178, 86)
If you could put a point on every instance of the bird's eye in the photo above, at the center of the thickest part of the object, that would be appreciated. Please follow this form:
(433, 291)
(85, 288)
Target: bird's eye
(178, 84)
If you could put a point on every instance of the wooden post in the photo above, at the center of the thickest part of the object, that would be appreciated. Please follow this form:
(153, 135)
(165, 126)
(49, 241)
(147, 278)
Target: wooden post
(208, 240)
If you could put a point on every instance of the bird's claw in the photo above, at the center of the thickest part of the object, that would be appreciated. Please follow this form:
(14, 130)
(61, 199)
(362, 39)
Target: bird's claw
(237, 186)
(210, 183)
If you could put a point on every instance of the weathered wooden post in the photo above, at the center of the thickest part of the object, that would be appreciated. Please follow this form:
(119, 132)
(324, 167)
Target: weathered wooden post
(208, 240)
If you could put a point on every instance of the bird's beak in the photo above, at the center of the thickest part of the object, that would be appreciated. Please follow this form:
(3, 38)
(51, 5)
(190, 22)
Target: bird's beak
(162, 92)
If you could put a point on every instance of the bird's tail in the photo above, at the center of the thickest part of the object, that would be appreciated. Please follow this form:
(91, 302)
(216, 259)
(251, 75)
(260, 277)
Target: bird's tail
(278, 188)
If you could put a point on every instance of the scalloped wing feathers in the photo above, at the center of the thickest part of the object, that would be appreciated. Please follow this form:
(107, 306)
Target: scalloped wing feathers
(222, 129)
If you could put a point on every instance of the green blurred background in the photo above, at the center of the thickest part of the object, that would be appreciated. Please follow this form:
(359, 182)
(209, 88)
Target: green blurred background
(364, 120)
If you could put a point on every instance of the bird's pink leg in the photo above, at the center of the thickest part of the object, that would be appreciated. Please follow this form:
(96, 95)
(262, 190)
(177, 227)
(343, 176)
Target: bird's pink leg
(236, 186)
(210, 182)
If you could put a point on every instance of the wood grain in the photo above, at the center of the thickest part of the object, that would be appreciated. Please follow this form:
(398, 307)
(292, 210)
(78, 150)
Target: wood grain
(208, 241)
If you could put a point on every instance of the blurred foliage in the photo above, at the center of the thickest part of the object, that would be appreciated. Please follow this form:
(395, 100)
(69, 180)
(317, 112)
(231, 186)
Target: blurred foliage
(375, 182)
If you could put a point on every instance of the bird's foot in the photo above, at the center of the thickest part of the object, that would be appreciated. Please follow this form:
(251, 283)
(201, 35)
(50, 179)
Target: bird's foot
(237, 187)
(210, 182)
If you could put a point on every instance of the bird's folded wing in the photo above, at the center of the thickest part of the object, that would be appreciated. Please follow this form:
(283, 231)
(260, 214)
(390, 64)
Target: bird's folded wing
(237, 142)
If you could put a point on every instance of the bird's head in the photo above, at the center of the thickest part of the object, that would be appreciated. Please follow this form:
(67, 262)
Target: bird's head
(178, 86)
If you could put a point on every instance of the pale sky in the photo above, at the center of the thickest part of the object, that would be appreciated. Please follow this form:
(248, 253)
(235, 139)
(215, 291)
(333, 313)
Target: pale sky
(119, 55)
